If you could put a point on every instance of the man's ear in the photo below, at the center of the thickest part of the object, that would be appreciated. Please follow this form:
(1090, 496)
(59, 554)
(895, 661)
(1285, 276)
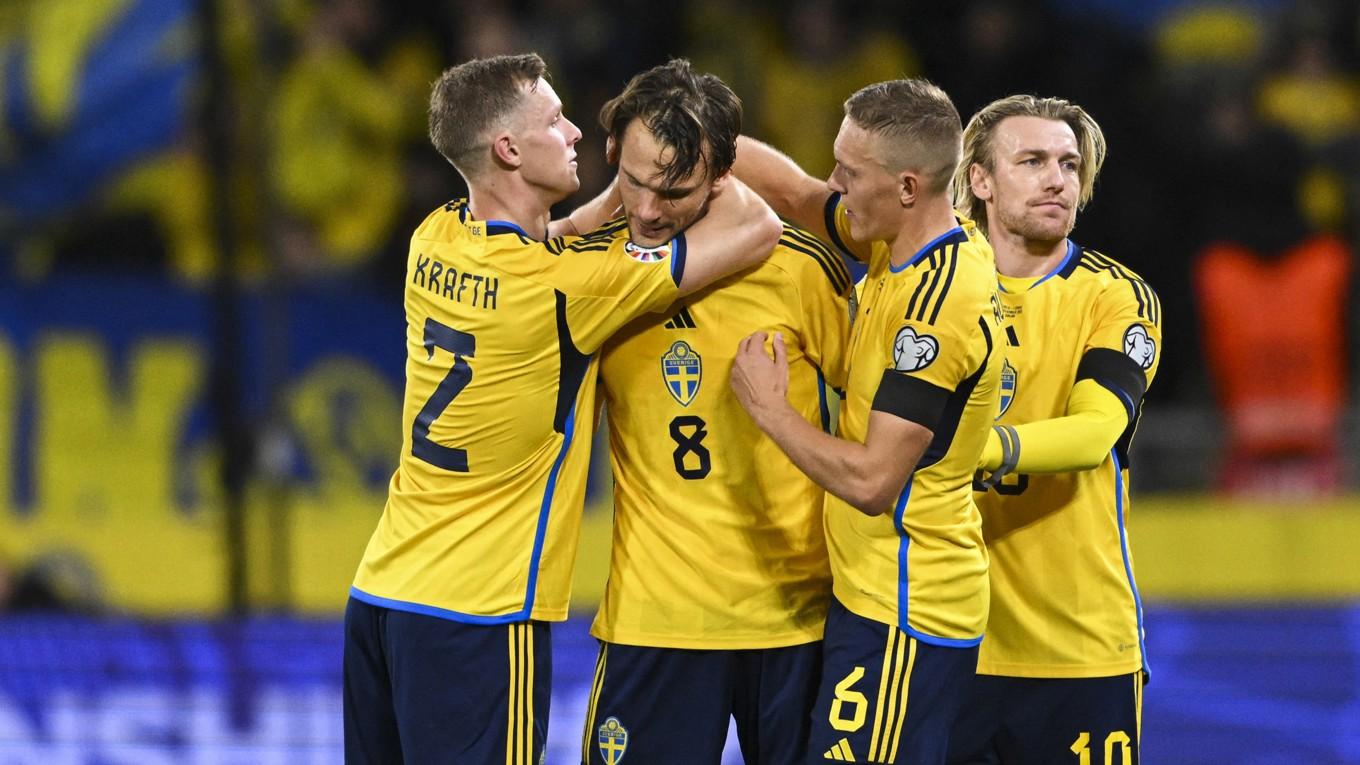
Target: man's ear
(720, 182)
(611, 150)
(908, 187)
(980, 182)
(506, 151)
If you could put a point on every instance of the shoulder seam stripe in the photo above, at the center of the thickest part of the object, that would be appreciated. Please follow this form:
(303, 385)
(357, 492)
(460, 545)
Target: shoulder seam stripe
(937, 260)
(1149, 305)
(839, 282)
(911, 304)
(833, 256)
(953, 259)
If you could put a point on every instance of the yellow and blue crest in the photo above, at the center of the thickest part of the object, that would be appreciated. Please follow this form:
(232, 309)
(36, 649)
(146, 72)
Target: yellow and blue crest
(682, 370)
(613, 741)
(1009, 380)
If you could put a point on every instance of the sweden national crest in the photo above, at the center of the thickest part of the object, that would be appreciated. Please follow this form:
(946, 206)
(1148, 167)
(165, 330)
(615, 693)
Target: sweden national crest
(1009, 380)
(682, 370)
(613, 741)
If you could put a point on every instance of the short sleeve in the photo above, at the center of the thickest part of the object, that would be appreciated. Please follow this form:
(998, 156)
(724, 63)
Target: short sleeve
(1126, 319)
(607, 282)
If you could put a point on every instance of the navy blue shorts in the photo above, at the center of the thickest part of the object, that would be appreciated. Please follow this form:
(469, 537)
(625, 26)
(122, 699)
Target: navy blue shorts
(1035, 721)
(885, 696)
(658, 706)
(420, 689)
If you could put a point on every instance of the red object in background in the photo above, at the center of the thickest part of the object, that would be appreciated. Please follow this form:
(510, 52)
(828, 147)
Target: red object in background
(1274, 335)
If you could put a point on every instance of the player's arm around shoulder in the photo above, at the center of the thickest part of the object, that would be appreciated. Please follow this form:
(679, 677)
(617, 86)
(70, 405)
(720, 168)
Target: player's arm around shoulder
(794, 195)
(739, 231)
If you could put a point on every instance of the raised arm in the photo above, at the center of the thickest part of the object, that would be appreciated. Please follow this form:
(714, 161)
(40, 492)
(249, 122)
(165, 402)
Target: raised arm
(794, 195)
(604, 207)
(738, 231)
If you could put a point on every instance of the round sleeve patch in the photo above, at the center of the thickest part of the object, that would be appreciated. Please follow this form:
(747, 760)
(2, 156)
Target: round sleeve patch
(647, 254)
(913, 352)
(1140, 346)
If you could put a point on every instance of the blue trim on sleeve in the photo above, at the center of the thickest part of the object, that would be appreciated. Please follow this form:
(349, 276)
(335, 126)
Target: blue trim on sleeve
(438, 613)
(1124, 399)
(1071, 250)
(1124, 550)
(931, 245)
(821, 401)
(678, 252)
(829, 213)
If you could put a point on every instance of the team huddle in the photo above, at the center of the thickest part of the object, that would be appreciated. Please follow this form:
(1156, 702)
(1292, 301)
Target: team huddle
(940, 575)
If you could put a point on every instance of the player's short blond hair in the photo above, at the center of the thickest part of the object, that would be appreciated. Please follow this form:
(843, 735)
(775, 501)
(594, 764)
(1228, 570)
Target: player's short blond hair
(917, 127)
(470, 101)
(978, 139)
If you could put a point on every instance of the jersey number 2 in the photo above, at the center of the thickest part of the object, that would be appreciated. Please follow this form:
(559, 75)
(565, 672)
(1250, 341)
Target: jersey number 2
(463, 346)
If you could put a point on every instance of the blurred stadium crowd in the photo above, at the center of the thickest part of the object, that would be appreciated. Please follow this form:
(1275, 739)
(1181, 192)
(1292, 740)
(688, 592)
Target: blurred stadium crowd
(170, 169)
(1234, 128)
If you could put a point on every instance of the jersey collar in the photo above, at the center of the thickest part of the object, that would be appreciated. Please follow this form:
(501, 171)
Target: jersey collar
(1072, 249)
(943, 239)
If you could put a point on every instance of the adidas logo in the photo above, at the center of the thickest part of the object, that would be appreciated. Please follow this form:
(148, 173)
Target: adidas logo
(682, 320)
(840, 752)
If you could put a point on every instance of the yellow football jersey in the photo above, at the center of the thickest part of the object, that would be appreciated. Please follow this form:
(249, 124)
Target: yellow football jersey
(1064, 602)
(483, 512)
(925, 346)
(718, 538)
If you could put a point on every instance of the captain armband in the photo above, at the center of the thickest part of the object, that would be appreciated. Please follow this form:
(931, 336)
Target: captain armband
(1116, 373)
(1010, 455)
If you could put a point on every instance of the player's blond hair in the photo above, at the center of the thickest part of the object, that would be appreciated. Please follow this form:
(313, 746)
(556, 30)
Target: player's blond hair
(917, 125)
(471, 100)
(979, 136)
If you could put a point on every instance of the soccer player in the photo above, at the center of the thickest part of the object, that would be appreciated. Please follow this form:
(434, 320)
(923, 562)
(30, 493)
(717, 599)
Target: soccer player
(446, 631)
(1061, 671)
(908, 565)
(718, 583)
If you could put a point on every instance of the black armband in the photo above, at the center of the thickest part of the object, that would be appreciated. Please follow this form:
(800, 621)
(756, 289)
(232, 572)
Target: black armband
(1117, 373)
(910, 398)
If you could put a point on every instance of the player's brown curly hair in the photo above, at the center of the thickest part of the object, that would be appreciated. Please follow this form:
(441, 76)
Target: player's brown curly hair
(694, 114)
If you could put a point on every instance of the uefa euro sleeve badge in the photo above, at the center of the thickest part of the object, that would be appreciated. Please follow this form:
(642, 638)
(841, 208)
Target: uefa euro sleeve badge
(613, 741)
(682, 370)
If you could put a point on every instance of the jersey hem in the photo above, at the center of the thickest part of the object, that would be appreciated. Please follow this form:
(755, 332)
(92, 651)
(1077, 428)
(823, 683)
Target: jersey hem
(447, 614)
(1059, 671)
(709, 642)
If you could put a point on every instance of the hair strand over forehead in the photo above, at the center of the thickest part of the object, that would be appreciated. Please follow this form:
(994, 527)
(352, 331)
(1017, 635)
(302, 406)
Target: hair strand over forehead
(696, 116)
(979, 140)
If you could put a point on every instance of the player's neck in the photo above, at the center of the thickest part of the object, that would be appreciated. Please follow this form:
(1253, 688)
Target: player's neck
(920, 227)
(1020, 257)
(504, 199)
